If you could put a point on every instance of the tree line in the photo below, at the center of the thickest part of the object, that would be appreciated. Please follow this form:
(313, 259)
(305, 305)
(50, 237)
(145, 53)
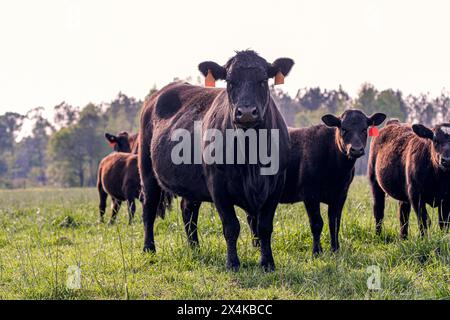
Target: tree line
(65, 151)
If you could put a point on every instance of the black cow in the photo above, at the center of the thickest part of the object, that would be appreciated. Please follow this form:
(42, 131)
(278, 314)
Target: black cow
(322, 167)
(245, 104)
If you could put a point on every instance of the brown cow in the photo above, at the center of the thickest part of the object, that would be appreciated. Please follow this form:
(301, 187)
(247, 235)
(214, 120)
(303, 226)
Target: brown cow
(123, 142)
(118, 176)
(412, 165)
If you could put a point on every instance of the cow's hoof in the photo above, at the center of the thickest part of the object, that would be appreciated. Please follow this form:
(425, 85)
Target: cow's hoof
(335, 249)
(317, 251)
(150, 249)
(268, 266)
(233, 266)
(112, 222)
(194, 245)
(256, 243)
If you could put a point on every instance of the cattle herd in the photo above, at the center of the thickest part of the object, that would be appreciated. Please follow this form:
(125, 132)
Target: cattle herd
(410, 163)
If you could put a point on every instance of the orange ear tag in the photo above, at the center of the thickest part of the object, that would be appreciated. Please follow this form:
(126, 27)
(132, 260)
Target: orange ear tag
(209, 80)
(279, 78)
(373, 131)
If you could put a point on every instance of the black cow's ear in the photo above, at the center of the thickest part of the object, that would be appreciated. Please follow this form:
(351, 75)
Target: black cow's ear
(376, 119)
(218, 72)
(283, 65)
(423, 131)
(111, 138)
(331, 120)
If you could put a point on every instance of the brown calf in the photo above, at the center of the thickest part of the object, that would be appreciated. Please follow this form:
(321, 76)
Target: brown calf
(118, 176)
(412, 165)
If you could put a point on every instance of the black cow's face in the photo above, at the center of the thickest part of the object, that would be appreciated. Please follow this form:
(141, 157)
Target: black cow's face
(353, 128)
(440, 135)
(247, 76)
(120, 142)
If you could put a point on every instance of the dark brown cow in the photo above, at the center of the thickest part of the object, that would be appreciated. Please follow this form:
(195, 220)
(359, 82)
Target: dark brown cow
(321, 169)
(412, 165)
(245, 104)
(118, 176)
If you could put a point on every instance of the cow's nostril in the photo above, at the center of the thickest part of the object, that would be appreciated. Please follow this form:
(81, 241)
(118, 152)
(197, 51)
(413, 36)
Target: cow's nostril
(238, 113)
(356, 151)
(255, 112)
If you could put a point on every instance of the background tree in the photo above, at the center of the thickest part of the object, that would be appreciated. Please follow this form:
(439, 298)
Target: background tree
(75, 151)
(65, 151)
(64, 115)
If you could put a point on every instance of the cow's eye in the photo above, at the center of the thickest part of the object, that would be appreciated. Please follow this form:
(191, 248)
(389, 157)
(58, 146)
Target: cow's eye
(344, 132)
(263, 83)
(364, 131)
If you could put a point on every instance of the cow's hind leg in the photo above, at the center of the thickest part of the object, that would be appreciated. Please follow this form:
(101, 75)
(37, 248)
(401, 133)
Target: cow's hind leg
(115, 207)
(316, 223)
(403, 214)
(253, 224)
(189, 211)
(102, 206)
(150, 190)
(421, 212)
(152, 197)
(131, 210)
(378, 205)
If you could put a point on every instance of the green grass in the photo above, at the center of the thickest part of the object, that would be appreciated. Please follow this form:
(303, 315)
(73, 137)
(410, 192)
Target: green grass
(45, 231)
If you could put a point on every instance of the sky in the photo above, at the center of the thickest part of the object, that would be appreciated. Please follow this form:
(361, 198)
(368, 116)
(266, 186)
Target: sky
(87, 51)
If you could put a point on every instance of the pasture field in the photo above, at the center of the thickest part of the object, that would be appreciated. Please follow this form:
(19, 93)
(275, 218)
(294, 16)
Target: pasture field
(45, 232)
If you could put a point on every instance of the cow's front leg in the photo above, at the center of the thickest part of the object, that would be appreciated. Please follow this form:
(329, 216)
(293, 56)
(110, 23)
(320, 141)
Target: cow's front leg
(334, 222)
(265, 229)
(231, 229)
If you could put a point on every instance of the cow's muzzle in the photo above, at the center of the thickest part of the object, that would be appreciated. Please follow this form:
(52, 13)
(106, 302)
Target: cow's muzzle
(356, 153)
(247, 117)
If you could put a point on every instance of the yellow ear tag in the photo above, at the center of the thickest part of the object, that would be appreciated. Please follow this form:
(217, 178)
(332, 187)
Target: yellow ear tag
(209, 80)
(279, 78)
